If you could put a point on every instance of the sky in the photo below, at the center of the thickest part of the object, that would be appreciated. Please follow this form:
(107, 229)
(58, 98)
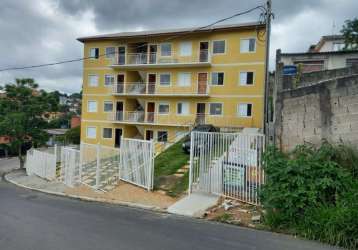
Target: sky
(45, 31)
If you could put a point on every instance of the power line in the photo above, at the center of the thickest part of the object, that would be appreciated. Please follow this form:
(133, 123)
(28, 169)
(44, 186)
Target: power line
(261, 7)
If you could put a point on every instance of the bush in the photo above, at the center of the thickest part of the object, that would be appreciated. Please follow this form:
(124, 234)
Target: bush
(313, 192)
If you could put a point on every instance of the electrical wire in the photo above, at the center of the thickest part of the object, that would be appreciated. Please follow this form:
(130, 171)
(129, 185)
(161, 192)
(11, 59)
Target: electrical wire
(260, 7)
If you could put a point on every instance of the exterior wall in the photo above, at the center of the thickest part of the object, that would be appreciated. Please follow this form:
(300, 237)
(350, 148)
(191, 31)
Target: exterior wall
(327, 110)
(232, 62)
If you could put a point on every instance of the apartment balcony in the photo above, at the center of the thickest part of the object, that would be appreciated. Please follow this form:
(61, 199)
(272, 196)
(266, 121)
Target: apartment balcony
(152, 118)
(143, 89)
(155, 60)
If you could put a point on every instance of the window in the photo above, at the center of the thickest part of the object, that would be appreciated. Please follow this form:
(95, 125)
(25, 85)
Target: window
(164, 79)
(216, 108)
(185, 49)
(110, 52)
(338, 46)
(93, 80)
(91, 132)
(245, 109)
(248, 45)
(92, 106)
(108, 106)
(107, 133)
(94, 53)
(108, 80)
(163, 108)
(246, 78)
(184, 79)
(165, 49)
(219, 47)
(217, 78)
(162, 136)
(183, 108)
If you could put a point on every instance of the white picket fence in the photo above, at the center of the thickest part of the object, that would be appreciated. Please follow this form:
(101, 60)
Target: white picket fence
(42, 162)
(137, 162)
(227, 164)
(70, 166)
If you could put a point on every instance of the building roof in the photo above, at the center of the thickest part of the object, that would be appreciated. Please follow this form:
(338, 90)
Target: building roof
(324, 39)
(340, 52)
(56, 131)
(177, 31)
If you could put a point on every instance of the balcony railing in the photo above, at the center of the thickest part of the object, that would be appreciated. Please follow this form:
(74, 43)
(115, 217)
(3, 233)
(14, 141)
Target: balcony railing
(142, 117)
(153, 89)
(203, 57)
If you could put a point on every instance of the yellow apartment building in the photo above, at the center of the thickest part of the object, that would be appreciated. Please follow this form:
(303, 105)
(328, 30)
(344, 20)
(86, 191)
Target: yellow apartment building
(159, 84)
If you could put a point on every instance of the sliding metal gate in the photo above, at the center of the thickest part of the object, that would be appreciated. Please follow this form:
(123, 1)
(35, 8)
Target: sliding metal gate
(227, 164)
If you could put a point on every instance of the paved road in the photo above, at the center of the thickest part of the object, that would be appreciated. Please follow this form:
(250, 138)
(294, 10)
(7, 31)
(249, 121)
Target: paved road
(35, 221)
(8, 164)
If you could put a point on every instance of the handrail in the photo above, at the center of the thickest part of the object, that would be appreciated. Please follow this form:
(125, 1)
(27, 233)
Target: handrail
(143, 88)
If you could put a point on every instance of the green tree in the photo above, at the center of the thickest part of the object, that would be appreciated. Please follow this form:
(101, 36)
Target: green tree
(73, 135)
(21, 113)
(350, 34)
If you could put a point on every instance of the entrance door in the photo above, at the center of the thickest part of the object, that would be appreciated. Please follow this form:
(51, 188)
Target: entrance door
(200, 113)
(204, 52)
(117, 137)
(119, 111)
(121, 55)
(152, 78)
(150, 111)
(202, 83)
(120, 84)
(153, 48)
(149, 135)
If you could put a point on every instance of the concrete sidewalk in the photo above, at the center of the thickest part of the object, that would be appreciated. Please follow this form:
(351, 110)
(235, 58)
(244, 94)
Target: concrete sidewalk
(124, 194)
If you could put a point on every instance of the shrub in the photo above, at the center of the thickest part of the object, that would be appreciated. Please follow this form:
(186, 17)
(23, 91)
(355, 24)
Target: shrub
(313, 192)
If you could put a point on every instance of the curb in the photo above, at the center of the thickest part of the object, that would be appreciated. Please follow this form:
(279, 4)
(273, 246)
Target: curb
(84, 198)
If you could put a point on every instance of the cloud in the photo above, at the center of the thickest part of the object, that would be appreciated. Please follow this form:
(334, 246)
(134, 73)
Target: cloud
(43, 31)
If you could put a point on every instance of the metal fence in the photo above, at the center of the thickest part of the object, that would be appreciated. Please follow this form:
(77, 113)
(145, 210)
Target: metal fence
(137, 162)
(42, 162)
(70, 166)
(227, 164)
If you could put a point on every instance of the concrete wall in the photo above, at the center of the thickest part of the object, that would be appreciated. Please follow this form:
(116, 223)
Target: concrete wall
(324, 109)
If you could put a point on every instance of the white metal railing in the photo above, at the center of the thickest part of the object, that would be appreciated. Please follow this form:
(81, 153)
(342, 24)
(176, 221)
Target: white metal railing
(141, 88)
(228, 164)
(150, 58)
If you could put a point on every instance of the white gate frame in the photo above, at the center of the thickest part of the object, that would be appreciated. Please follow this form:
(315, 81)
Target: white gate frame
(41, 163)
(227, 164)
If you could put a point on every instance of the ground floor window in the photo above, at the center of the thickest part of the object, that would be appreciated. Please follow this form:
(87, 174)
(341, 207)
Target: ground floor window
(245, 109)
(162, 136)
(91, 132)
(216, 108)
(107, 133)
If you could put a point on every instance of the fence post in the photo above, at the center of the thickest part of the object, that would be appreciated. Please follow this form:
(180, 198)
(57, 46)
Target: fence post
(191, 161)
(81, 162)
(98, 165)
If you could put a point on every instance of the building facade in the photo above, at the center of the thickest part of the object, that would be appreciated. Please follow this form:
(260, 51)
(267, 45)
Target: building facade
(159, 84)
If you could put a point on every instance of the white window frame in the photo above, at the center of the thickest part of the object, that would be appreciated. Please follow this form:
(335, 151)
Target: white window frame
(211, 78)
(163, 103)
(219, 53)
(89, 84)
(110, 56)
(90, 53)
(171, 49)
(179, 82)
(190, 48)
(95, 132)
(222, 108)
(253, 78)
(248, 51)
(107, 138)
(88, 106)
(188, 108)
(166, 131)
(170, 79)
(105, 77)
(238, 109)
(104, 104)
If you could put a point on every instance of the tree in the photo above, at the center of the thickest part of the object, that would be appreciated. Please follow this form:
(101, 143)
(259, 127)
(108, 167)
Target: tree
(350, 34)
(21, 113)
(73, 135)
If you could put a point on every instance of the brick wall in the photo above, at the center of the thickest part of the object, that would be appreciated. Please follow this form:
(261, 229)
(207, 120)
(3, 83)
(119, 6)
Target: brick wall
(325, 109)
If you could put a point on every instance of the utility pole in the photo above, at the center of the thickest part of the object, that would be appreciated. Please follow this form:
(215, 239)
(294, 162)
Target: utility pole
(268, 16)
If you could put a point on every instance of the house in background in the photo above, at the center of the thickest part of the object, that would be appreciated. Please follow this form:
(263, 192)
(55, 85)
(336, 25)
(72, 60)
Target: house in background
(327, 54)
(159, 84)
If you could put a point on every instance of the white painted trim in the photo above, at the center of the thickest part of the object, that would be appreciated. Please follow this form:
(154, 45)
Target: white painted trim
(108, 101)
(163, 103)
(212, 47)
(87, 127)
(165, 73)
(253, 78)
(211, 79)
(247, 38)
(88, 101)
(238, 110)
(171, 49)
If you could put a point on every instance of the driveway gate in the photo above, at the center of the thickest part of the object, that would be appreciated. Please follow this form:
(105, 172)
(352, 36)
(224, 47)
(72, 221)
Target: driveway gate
(227, 164)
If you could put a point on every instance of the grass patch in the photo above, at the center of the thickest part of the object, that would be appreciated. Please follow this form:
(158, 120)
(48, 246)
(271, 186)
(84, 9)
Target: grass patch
(168, 162)
(180, 186)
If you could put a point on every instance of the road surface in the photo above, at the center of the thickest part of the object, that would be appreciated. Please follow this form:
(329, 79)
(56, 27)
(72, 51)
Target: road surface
(35, 221)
